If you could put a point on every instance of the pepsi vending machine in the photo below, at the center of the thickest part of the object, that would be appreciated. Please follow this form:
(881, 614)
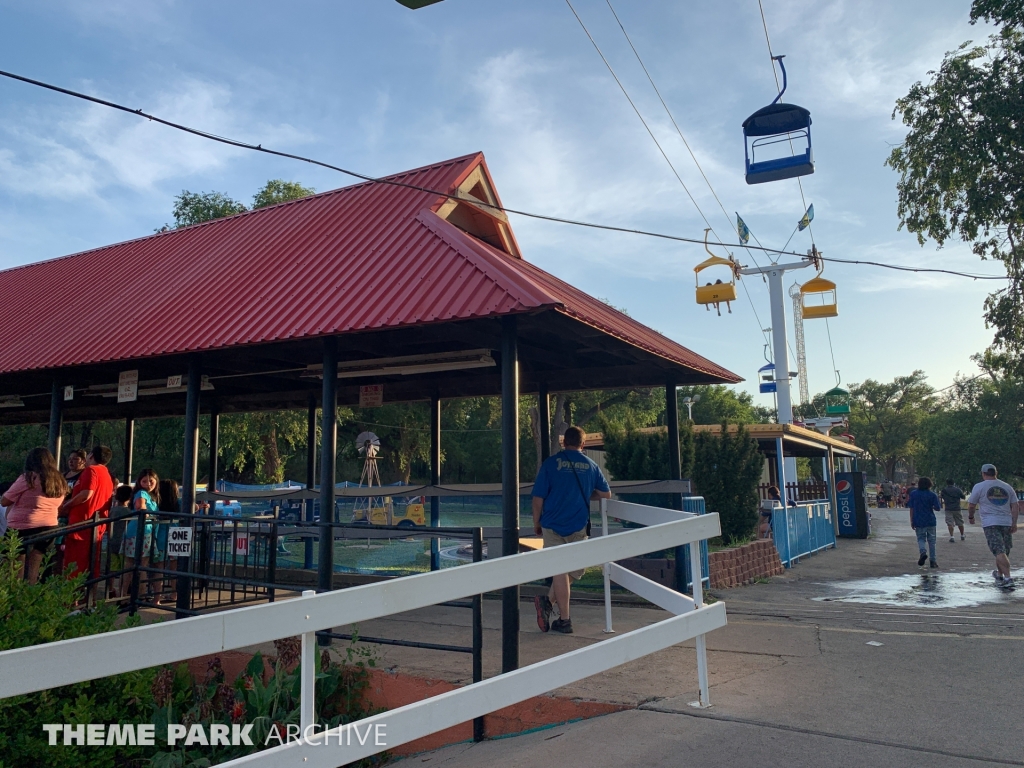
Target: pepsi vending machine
(852, 505)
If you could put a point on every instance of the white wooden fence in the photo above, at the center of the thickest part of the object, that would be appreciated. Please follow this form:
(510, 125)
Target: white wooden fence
(39, 667)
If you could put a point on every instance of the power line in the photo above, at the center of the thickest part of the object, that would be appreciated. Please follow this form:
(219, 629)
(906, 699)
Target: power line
(439, 193)
(696, 162)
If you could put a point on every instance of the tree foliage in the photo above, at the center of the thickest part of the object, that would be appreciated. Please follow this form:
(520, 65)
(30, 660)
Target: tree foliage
(634, 455)
(279, 191)
(720, 403)
(726, 471)
(196, 207)
(961, 164)
(886, 418)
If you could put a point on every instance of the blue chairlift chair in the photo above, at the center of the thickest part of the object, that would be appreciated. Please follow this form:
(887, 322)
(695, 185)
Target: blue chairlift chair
(775, 124)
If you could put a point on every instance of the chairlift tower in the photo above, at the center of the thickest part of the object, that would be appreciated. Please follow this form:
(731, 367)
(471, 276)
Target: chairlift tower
(801, 349)
(780, 348)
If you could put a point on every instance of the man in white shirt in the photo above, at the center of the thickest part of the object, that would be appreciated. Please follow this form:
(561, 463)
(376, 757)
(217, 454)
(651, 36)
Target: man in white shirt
(999, 508)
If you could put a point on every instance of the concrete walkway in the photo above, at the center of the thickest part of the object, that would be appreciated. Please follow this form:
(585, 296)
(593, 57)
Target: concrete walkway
(793, 676)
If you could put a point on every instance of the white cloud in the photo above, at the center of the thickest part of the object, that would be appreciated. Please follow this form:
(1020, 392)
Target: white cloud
(93, 148)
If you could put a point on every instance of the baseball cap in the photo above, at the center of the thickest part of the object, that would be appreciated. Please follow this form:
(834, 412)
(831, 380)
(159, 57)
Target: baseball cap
(988, 469)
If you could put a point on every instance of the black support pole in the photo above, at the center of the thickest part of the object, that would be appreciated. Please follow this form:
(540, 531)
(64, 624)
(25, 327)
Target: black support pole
(544, 416)
(56, 418)
(675, 473)
(213, 469)
(509, 487)
(188, 478)
(129, 448)
(328, 466)
(435, 479)
(307, 559)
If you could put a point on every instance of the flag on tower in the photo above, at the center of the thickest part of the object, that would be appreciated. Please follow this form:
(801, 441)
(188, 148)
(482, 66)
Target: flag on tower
(742, 230)
(808, 217)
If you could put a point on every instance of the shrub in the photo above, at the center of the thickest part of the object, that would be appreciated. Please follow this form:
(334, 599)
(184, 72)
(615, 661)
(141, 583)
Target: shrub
(726, 471)
(31, 614)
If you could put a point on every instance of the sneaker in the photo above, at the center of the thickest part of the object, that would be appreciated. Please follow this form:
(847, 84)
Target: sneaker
(951, 539)
(997, 575)
(562, 625)
(922, 558)
(543, 606)
(963, 537)
(1006, 582)
(934, 564)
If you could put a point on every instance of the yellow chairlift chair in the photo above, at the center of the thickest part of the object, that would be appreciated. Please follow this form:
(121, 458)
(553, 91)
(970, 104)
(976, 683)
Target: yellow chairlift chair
(719, 291)
(822, 295)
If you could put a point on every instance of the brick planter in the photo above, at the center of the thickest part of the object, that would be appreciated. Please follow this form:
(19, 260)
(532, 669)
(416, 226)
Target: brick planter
(741, 565)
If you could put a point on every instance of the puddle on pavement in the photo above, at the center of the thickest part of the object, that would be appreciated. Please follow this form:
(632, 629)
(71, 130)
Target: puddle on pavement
(924, 590)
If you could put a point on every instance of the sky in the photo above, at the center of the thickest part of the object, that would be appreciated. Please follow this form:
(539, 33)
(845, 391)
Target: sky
(372, 86)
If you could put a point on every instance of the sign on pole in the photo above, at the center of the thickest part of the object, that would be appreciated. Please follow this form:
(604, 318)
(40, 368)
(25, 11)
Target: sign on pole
(173, 382)
(242, 544)
(69, 392)
(371, 395)
(128, 387)
(179, 541)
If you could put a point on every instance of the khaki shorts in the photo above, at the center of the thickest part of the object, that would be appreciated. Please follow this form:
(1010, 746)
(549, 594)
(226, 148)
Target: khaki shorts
(552, 539)
(955, 517)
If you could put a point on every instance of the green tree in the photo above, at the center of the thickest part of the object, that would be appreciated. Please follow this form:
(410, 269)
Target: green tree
(720, 403)
(726, 470)
(981, 420)
(196, 207)
(961, 164)
(886, 418)
(631, 454)
(278, 191)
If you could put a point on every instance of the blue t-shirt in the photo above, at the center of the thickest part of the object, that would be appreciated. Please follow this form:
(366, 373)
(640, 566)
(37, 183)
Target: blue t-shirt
(566, 508)
(923, 506)
(147, 500)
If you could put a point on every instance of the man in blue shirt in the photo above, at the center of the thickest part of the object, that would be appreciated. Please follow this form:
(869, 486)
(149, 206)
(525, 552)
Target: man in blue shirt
(923, 504)
(562, 492)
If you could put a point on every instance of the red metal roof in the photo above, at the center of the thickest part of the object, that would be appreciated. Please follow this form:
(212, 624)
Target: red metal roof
(362, 257)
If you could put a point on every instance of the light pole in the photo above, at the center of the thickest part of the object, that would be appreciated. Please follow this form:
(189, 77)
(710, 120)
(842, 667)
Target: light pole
(689, 402)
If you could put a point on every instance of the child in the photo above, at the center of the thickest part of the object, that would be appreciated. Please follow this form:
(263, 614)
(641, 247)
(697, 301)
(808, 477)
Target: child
(923, 504)
(145, 497)
(115, 544)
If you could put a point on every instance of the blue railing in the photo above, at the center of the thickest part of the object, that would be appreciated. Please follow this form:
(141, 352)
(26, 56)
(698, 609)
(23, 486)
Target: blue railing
(696, 504)
(802, 530)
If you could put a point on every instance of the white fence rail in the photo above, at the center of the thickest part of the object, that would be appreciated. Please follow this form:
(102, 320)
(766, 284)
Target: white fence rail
(35, 668)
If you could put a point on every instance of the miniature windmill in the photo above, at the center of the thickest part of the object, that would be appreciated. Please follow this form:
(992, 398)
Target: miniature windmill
(370, 509)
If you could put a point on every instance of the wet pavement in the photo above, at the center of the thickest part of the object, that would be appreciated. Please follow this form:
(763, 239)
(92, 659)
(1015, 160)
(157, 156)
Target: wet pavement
(855, 657)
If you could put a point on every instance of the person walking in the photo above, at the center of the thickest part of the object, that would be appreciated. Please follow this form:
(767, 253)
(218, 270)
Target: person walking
(562, 492)
(997, 502)
(951, 496)
(923, 504)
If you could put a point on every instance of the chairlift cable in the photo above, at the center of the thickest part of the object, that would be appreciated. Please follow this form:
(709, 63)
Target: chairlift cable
(675, 124)
(625, 93)
(454, 196)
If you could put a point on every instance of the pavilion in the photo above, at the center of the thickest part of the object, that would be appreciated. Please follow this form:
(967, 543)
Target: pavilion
(414, 282)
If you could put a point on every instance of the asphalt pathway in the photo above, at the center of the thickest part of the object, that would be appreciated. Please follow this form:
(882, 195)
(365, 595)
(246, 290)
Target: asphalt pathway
(856, 657)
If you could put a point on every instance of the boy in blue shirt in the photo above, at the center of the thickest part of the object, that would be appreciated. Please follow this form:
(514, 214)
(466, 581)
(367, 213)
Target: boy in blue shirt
(562, 492)
(923, 504)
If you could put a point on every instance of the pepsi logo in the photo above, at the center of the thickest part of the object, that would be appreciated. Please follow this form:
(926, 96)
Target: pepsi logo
(843, 486)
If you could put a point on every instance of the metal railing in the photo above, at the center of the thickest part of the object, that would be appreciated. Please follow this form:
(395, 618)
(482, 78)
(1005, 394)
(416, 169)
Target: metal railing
(802, 530)
(40, 667)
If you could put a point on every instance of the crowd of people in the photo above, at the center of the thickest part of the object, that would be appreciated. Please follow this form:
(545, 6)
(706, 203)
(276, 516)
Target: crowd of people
(51, 511)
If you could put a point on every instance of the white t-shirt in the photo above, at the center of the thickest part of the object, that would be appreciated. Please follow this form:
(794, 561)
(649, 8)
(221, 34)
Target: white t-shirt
(993, 498)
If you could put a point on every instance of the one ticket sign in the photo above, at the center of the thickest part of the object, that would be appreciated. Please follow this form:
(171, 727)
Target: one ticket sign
(371, 395)
(179, 541)
(242, 544)
(128, 387)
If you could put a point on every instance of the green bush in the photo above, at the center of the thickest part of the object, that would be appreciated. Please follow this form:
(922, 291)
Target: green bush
(31, 614)
(726, 471)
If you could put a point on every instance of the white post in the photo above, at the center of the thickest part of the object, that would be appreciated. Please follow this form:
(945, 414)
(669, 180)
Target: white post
(307, 696)
(697, 582)
(607, 575)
